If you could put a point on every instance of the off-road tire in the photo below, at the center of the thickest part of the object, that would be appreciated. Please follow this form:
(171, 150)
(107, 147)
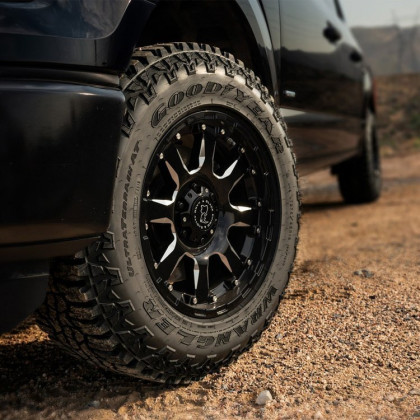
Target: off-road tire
(360, 177)
(103, 305)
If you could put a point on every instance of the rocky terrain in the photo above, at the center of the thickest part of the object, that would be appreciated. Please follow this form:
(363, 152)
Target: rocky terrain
(345, 342)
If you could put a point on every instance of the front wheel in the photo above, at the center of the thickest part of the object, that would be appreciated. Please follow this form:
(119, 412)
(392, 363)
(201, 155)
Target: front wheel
(204, 228)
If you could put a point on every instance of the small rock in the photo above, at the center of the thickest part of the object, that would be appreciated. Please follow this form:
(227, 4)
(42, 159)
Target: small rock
(264, 398)
(414, 392)
(318, 416)
(279, 337)
(390, 397)
(363, 273)
(94, 404)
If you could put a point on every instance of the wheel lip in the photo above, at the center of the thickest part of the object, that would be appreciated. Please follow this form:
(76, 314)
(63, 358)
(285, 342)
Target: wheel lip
(229, 113)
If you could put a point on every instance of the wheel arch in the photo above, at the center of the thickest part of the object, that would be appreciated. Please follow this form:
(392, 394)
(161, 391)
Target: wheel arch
(236, 26)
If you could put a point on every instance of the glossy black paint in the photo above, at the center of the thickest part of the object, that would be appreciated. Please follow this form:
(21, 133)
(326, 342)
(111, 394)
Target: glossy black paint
(86, 33)
(58, 154)
(319, 65)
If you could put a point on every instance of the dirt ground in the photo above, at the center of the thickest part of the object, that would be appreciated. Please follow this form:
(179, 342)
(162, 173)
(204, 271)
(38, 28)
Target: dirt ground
(343, 345)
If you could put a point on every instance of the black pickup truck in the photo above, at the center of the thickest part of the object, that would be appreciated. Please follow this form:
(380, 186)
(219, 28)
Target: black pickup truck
(148, 182)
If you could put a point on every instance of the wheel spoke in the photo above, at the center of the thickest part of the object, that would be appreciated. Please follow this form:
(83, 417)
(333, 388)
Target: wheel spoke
(176, 167)
(233, 174)
(201, 279)
(198, 154)
(209, 149)
(232, 261)
(242, 215)
(159, 209)
(170, 259)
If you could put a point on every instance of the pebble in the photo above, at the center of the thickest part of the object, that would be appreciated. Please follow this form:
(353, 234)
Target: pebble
(318, 416)
(415, 392)
(94, 404)
(264, 397)
(363, 273)
(390, 397)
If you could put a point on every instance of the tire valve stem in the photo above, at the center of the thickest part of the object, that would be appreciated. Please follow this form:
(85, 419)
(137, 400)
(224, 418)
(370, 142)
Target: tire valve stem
(194, 301)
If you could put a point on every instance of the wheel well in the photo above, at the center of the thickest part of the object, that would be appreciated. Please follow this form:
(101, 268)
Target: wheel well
(218, 23)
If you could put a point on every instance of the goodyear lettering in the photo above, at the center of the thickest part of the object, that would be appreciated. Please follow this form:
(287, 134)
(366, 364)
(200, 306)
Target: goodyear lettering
(212, 87)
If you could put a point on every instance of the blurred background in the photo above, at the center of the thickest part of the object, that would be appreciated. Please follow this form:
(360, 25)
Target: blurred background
(389, 34)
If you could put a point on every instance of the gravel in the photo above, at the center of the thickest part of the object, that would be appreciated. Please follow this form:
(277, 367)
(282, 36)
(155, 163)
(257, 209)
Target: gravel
(340, 346)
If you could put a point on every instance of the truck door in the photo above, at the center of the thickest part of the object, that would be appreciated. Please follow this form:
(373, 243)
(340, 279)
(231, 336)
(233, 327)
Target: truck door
(319, 93)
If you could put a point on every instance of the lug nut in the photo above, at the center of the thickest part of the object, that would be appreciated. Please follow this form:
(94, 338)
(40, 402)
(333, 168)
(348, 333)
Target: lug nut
(170, 287)
(161, 156)
(156, 265)
(242, 150)
(184, 219)
(147, 226)
(236, 282)
(184, 233)
(249, 262)
(253, 171)
(222, 132)
(259, 204)
(148, 193)
(211, 231)
(180, 205)
(203, 127)
(258, 230)
(178, 136)
(214, 299)
(194, 301)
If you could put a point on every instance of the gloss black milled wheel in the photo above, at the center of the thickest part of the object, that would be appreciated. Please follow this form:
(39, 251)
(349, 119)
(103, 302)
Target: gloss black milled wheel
(204, 227)
(211, 213)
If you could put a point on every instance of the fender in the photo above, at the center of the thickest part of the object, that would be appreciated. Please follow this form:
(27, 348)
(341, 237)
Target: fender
(107, 33)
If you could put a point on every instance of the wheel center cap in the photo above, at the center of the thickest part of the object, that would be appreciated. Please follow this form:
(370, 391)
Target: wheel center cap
(203, 213)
